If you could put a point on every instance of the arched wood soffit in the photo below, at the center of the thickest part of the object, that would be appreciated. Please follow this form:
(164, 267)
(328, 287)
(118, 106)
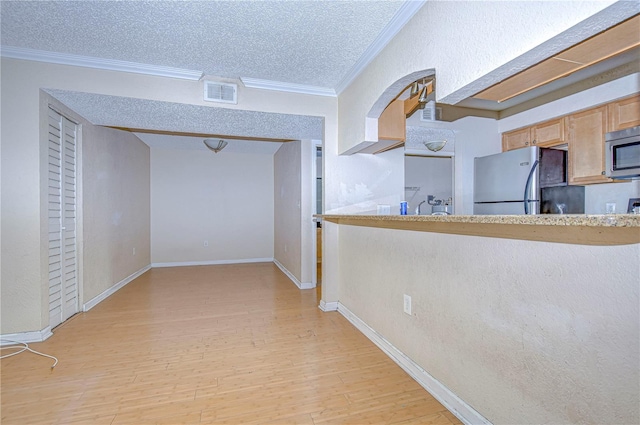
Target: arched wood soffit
(395, 89)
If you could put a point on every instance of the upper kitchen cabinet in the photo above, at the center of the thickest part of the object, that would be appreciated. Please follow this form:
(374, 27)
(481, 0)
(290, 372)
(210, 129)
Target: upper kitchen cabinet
(586, 132)
(624, 113)
(516, 139)
(548, 133)
(392, 123)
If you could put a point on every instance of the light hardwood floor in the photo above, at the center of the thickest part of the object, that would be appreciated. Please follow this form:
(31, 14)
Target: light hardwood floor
(229, 344)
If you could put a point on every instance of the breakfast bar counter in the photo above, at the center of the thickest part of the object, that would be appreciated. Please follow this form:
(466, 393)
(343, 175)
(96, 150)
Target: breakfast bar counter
(611, 229)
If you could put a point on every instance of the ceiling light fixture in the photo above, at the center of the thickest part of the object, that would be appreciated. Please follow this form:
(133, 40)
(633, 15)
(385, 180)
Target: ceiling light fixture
(436, 145)
(423, 96)
(415, 89)
(426, 91)
(214, 145)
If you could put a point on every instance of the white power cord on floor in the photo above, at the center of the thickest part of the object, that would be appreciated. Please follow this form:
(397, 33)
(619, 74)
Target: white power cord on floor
(23, 347)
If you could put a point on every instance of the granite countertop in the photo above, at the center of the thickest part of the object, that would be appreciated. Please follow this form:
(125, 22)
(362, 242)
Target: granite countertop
(609, 220)
(610, 229)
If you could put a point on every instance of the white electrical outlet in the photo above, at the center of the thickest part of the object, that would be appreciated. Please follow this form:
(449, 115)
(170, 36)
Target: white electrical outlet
(206, 243)
(407, 304)
(134, 251)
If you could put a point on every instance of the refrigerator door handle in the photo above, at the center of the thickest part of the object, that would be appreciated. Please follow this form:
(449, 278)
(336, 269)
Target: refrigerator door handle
(527, 187)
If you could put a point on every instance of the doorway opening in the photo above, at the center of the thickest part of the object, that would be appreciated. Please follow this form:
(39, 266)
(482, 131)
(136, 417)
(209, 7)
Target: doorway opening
(428, 184)
(318, 210)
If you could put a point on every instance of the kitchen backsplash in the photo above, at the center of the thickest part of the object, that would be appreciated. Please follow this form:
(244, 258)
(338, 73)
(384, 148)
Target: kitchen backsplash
(597, 196)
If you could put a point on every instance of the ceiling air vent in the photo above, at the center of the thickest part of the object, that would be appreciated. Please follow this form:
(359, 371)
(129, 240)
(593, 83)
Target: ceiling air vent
(220, 92)
(430, 112)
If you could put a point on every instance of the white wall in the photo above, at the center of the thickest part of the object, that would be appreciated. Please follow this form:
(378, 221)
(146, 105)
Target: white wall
(359, 182)
(524, 332)
(21, 277)
(225, 199)
(115, 208)
(287, 207)
(597, 196)
(294, 174)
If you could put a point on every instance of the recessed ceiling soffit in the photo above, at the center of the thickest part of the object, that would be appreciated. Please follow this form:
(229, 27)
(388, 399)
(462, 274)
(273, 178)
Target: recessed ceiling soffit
(615, 41)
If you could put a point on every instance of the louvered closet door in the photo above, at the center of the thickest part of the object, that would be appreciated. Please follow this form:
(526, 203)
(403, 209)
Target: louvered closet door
(63, 281)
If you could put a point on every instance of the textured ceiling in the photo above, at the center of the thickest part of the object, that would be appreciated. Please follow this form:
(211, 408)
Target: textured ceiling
(304, 42)
(315, 43)
(115, 111)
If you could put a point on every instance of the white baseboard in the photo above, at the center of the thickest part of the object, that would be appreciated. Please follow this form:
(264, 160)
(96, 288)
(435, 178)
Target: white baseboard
(305, 285)
(101, 297)
(211, 263)
(452, 402)
(331, 306)
(26, 337)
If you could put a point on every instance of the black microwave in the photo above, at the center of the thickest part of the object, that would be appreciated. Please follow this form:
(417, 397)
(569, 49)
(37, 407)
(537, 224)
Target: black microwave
(622, 154)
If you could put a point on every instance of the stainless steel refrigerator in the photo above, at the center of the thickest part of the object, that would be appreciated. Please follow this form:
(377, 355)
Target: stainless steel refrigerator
(507, 183)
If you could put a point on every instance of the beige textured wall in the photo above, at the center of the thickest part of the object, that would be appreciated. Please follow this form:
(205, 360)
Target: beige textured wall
(524, 332)
(20, 274)
(116, 207)
(287, 207)
(224, 198)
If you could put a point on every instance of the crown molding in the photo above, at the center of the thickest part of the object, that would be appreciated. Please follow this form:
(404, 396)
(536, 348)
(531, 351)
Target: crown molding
(98, 63)
(399, 20)
(256, 83)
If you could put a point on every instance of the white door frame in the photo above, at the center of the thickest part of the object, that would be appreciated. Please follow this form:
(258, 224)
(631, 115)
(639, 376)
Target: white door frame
(314, 207)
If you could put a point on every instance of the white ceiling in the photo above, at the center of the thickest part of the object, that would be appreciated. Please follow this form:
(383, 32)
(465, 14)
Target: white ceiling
(302, 42)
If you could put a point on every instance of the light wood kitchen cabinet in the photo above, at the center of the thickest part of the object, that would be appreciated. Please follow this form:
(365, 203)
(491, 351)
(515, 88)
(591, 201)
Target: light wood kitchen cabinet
(586, 132)
(545, 134)
(624, 113)
(549, 133)
(516, 139)
(392, 124)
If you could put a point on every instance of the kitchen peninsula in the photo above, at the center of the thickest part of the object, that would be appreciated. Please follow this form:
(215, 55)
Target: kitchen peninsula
(612, 229)
(498, 311)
